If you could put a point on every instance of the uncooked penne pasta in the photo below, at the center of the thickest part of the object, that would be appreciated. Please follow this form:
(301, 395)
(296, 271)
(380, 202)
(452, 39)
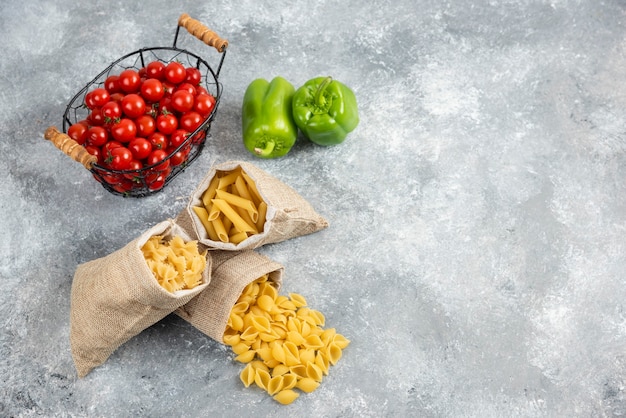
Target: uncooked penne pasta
(232, 214)
(240, 202)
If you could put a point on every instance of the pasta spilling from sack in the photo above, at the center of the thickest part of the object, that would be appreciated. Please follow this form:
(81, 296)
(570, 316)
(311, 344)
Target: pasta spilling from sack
(176, 264)
(232, 208)
(282, 341)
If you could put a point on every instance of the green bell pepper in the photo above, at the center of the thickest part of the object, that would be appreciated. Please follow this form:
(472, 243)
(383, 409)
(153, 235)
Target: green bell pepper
(267, 122)
(325, 110)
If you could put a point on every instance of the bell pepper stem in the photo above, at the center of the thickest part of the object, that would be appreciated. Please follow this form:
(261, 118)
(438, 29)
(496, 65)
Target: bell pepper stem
(267, 150)
(319, 94)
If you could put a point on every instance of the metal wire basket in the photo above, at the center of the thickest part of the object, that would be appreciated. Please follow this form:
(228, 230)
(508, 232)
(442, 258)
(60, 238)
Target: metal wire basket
(152, 178)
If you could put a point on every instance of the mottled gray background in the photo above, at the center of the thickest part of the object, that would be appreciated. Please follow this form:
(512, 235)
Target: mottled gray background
(476, 252)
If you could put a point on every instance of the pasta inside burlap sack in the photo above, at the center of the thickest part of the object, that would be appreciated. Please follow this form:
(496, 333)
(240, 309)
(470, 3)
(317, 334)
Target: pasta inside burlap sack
(209, 311)
(115, 297)
(238, 206)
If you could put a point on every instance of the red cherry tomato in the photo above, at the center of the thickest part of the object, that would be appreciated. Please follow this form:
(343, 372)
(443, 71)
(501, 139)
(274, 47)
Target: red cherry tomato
(193, 75)
(155, 69)
(140, 147)
(182, 101)
(124, 130)
(97, 136)
(95, 151)
(152, 90)
(158, 157)
(175, 72)
(111, 111)
(95, 117)
(78, 132)
(134, 175)
(179, 157)
(111, 84)
(191, 121)
(188, 87)
(146, 125)
(119, 158)
(100, 96)
(158, 141)
(178, 137)
(165, 105)
(166, 123)
(204, 104)
(112, 143)
(89, 100)
(133, 105)
(129, 81)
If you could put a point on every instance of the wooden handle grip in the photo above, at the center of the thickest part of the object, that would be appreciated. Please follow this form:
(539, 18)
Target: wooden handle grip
(70, 147)
(203, 33)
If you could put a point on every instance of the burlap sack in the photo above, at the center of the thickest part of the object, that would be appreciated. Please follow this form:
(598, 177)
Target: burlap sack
(232, 272)
(289, 215)
(114, 298)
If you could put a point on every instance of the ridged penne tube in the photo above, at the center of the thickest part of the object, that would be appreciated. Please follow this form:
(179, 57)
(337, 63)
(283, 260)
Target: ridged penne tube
(241, 202)
(234, 217)
(209, 193)
(220, 230)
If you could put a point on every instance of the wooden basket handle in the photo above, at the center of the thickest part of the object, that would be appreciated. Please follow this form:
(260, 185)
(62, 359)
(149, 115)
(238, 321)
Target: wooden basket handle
(70, 147)
(203, 33)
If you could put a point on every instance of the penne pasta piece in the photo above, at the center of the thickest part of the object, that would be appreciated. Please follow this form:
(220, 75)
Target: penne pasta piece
(242, 188)
(237, 237)
(254, 192)
(209, 193)
(220, 230)
(240, 202)
(231, 214)
(227, 180)
(262, 209)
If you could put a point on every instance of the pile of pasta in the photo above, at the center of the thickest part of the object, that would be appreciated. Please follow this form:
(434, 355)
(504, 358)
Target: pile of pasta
(176, 264)
(232, 207)
(282, 341)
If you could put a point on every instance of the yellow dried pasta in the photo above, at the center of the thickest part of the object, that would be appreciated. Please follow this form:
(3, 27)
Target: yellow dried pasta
(281, 341)
(231, 208)
(176, 264)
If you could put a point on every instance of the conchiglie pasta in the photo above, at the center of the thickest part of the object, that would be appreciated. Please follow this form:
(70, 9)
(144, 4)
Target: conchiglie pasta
(281, 341)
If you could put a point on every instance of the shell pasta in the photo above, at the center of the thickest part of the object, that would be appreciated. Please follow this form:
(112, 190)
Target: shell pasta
(282, 342)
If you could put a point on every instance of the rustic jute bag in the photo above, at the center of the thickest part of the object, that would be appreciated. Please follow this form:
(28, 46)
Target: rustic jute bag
(232, 272)
(289, 215)
(115, 297)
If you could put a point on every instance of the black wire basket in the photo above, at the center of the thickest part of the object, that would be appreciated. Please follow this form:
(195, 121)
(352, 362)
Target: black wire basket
(151, 178)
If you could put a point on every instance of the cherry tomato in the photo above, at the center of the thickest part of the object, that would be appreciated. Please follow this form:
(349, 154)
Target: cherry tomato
(78, 132)
(146, 125)
(134, 175)
(201, 90)
(158, 157)
(117, 97)
(124, 130)
(111, 84)
(112, 143)
(193, 76)
(123, 186)
(191, 121)
(158, 141)
(175, 72)
(97, 136)
(178, 137)
(133, 105)
(165, 105)
(119, 158)
(155, 69)
(182, 101)
(95, 117)
(111, 111)
(89, 100)
(167, 123)
(204, 104)
(129, 81)
(179, 157)
(152, 90)
(93, 150)
(100, 96)
(188, 87)
(140, 147)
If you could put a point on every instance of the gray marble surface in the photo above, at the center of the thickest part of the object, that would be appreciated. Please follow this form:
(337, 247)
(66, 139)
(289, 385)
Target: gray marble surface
(476, 251)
